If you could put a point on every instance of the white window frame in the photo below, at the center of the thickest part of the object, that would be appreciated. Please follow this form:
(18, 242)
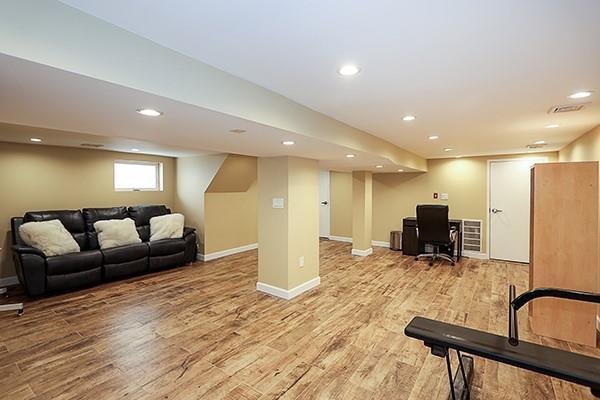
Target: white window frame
(159, 175)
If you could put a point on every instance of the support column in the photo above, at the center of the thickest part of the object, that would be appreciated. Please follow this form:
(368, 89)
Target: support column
(288, 225)
(362, 212)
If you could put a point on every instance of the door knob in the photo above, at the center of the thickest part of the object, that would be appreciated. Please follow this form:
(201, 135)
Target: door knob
(324, 203)
(496, 210)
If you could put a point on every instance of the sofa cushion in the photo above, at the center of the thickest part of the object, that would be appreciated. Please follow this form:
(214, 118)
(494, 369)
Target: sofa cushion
(167, 261)
(121, 254)
(75, 280)
(91, 215)
(166, 247)
(50, 237)
(116, 232)
(76, 262)
(125, 269)
(168, 226)
(142, 214)
(72, 220)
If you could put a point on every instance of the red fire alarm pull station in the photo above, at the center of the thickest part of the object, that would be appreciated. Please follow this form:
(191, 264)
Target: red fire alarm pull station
(435, 195)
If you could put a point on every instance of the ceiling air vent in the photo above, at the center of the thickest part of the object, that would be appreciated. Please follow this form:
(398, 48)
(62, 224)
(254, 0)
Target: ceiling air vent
(565, 108)
(535, 146)
(94, 145)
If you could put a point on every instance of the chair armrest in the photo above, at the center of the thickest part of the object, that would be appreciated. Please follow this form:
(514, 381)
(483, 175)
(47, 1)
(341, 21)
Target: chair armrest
(19, 249)
(187, 230)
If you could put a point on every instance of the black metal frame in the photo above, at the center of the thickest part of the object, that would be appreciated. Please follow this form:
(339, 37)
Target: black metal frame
(445, 353)
(515, 303)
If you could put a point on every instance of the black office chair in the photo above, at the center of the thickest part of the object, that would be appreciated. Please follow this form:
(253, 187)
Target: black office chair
(433, 228)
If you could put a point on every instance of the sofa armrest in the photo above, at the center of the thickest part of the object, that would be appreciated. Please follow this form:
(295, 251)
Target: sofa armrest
(30, 264)
(20, 250)
(188, 230)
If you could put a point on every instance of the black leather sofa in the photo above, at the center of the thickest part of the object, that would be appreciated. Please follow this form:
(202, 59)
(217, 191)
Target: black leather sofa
(41, 275)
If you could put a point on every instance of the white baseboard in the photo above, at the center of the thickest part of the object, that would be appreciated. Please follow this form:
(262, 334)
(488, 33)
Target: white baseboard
(475, 254)
(228, 252)
(379, 243)
(349, 240)
(341, 239)
(288, 294)
(362, 253)
(9, 281)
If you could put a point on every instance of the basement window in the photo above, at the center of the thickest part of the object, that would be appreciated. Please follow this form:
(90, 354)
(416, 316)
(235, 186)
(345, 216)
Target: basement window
(138, 176)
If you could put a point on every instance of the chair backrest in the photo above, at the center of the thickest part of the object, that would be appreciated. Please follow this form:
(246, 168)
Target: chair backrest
(71, 219)
(432, 223)
(93, 215)
(142, 215)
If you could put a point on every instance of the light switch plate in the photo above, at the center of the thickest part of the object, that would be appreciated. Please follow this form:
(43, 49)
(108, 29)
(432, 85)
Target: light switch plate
(277, 202)
(444, 196)
(301, 261)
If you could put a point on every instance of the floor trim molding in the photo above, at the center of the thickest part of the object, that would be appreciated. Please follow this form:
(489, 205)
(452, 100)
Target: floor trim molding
(475, 254)
(228, 252)
(9, 281)
(379, 243)
(346, 239)
(362, 253)
(288, 294)
(340, 238)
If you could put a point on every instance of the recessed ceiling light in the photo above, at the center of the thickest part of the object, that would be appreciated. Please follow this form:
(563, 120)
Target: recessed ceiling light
(400, 170)
(540, 142)
(350, 155)
(458, 157)
(447, 149)
(35, 140)
(149, 112)
(349, 70)
(581, 95)
(135, 150)
(434, 137)
(552, 126)
(409, 118)
(288, 143)
(379, 166)
(237, 130)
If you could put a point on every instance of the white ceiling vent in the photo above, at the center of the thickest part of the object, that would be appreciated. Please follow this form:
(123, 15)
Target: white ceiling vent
(565, 108)
(94, 145)
(535, 146)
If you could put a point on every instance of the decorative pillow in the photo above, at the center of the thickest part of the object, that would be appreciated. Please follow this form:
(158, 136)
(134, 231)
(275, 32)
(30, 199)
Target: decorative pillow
(51, 237)
(168, 226)
(116, 232)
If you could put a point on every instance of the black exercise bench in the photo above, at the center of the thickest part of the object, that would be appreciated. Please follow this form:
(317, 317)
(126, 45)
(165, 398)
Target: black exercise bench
(441, 337)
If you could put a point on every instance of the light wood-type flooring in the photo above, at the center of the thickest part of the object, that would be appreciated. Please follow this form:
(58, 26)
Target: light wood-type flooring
(203, 331)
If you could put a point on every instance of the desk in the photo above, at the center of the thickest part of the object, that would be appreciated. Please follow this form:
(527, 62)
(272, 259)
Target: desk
(411, 245)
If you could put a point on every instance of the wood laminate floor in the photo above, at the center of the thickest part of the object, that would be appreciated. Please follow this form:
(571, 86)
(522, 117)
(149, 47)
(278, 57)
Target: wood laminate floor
(203, 331)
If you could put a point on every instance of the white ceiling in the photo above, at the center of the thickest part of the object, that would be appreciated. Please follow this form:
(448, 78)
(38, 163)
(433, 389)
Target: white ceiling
(68, 109)
(480, 74)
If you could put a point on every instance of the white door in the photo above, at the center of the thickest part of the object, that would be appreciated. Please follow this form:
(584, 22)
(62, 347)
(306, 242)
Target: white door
(324, 210)
(509, 205)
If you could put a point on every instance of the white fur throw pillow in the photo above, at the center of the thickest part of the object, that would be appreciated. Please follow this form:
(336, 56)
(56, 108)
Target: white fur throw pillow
(116, 232)
(51, 237)
(169, 226)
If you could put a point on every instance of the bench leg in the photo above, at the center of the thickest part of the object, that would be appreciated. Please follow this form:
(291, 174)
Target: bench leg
(459, 385)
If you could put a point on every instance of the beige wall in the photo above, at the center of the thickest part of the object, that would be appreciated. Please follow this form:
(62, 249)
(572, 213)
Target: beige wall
(584, 148)
(194, 175)
(230, 205)
(362, 210)
(286, 234)
(340, 188)
(395, 196)
(37, 177)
